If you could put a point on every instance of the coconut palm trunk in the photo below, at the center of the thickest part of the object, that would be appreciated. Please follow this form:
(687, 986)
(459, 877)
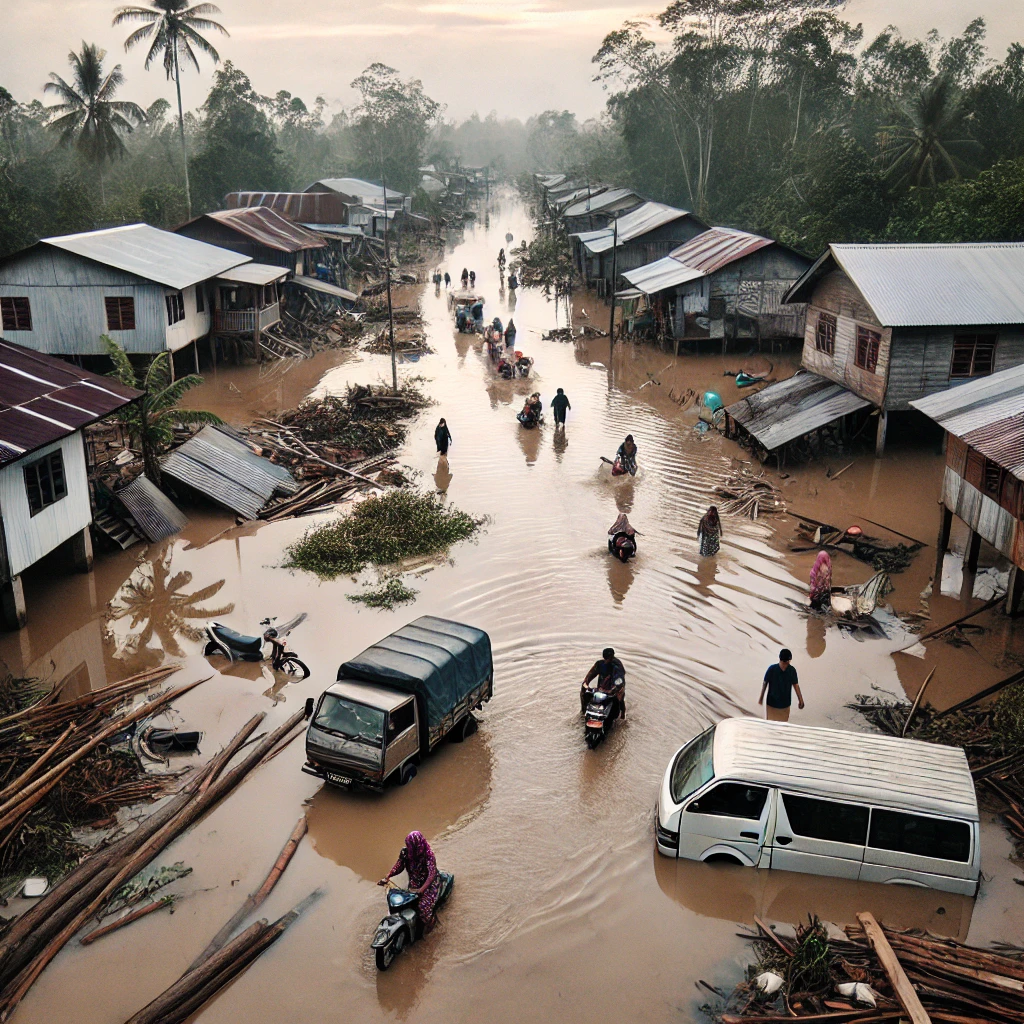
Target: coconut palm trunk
(181, 129)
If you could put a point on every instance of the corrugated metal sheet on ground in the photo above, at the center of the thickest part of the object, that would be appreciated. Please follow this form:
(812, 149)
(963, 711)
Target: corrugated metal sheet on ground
(43, 399)
(253, 273)
(885, 770)
(791, 408)
(976, 403)
(715, 248)
(972, 283)
(227, 470)
(269, 228)
(155, 255)
(661, 274)
(154, 513)
(600, 202)
(316, 285)
(634, 224)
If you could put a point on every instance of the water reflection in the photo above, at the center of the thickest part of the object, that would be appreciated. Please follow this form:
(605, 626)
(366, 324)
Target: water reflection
(624, 491)
(707, 572)
(620, 577)
(816, 630)
(153, 604)
(729, 892)
(442, 475)
(560, 443)
(399, 988)
(529, 441)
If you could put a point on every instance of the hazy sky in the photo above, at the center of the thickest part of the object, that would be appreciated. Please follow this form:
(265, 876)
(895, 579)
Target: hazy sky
(517, 57)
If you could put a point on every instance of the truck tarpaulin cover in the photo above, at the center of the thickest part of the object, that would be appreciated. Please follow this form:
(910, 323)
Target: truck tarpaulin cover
(437, 658)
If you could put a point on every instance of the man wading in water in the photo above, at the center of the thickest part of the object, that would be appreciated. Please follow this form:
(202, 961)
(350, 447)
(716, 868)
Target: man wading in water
(780, 680)
(560, 403)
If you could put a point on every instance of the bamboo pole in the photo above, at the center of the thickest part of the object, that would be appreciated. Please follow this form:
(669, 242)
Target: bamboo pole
(98, 933)
(917, 701)
(31, 770)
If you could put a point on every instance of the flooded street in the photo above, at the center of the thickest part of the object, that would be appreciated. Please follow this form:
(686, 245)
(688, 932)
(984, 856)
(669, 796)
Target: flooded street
(562, 910)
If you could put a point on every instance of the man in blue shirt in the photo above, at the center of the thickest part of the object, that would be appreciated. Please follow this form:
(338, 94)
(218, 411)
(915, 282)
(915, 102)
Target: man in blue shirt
(780, 680)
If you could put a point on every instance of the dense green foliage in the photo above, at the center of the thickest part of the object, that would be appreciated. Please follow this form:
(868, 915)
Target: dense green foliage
(381, 530)
(777, 116)
(386, 595)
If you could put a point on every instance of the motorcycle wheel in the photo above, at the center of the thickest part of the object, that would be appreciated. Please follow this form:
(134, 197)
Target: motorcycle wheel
(386, 954)
(291, 665)
(592, 738)
(210, 648)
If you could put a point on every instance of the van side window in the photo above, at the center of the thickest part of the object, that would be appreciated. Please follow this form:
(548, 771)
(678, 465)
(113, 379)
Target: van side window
(732, 800)
(824, 819)
(400, 719)
(922, 837)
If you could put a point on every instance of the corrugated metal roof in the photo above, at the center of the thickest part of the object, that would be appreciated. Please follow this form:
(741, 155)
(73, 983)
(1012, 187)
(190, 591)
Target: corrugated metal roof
(549, 181)
(268, 227)
(900, 773)
(715, 248)
(341, 230)
(1002, 442)
(253, 273)
(309, 208)
(161, 256)
(789, 409)
(634, 224)
(661, 274)
(356, 187)
(227, 471)
(154, 513)
(575, 194)
(976, 403)
(599, 202)
(973, 283)
(43, 399)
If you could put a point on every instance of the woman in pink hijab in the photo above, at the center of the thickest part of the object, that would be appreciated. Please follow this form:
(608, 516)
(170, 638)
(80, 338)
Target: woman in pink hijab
(821, 582)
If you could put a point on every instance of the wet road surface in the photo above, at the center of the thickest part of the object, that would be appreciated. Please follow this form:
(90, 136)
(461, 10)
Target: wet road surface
(562, 909)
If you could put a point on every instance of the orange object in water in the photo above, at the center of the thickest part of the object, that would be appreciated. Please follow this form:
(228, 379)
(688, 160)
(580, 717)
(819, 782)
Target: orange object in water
(854, 531)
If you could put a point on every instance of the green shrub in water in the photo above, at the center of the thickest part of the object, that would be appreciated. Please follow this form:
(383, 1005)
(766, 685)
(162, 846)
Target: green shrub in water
(381, 531)
(386, 596)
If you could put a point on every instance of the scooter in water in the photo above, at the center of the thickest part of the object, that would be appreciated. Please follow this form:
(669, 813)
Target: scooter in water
(601, 711)
(402, 927)
(239, 647)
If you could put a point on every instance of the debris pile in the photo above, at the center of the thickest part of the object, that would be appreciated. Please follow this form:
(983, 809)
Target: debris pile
(882, 557)
(66, 765)
(750, 495)
(874, 974)
(573, 333)
(388, 594)
(32, 941)
(382, 530)
(408, 344)
(315, 331)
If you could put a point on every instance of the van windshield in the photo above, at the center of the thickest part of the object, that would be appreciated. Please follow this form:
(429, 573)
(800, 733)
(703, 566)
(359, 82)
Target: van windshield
(351, 720)
(693, 766)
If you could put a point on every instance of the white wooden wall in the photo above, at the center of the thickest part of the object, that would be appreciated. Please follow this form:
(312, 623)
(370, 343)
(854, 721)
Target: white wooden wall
(195, 325)
(30, 537)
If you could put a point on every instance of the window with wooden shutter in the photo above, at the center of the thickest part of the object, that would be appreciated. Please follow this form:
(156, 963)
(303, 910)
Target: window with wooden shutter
(175, 308)
(868, 343)
(974, 355)
(120, 313)
(825, 334)
(16, 312)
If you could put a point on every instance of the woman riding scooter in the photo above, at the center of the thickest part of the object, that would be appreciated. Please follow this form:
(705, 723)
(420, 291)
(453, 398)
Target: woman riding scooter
(622, 539)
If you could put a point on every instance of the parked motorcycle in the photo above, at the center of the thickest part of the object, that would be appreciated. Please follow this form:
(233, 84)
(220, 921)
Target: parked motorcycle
(601, 712)
(402, 927)
(240, 647)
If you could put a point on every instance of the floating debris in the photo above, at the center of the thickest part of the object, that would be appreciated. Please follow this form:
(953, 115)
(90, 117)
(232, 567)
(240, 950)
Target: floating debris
(387, 595)
(750, 495)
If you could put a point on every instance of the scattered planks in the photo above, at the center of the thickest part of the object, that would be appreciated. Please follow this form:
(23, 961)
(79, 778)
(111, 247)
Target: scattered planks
(750, 495)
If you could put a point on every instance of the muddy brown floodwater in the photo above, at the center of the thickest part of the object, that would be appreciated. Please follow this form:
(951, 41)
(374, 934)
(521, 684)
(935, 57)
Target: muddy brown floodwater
(562, 910)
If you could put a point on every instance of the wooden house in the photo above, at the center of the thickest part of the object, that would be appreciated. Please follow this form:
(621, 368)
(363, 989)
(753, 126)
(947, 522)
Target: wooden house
(149, 290)
(895, 323)
(44, 487)
(983, 479)
(725, 284)
(645, 234)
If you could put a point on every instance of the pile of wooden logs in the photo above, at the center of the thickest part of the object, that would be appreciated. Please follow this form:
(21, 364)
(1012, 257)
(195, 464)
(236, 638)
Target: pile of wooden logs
(314, 331)
(58, 769)
(750, 495)
(34, 939)
(406, 343)
(887, 975)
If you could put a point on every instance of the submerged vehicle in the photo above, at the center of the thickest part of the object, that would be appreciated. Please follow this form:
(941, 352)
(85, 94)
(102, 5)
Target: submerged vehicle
(601, 712)
(240, 647)
(396, 701)
(402, 927)
(823, 802)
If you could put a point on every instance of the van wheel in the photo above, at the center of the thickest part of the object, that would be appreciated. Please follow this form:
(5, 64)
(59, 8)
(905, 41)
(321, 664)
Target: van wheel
(464, 729)
(407, 774)
(722, 858)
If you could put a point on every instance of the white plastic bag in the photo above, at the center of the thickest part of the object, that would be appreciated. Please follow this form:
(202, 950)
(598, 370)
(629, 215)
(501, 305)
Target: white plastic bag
(861, 993)
(769, 982)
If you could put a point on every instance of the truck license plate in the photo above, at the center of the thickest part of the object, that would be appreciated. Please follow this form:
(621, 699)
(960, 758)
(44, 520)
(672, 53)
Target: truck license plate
(338, 780)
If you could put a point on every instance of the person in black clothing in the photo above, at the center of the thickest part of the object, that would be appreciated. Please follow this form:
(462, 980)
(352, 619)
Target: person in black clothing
(610, 675)
(780, 680)
(442, 437)
(560, 403)
(447, 279)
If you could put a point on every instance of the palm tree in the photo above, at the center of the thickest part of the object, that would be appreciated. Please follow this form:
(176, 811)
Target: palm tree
(172, 28)
(922, 148)
(151, 420)
(88, 117)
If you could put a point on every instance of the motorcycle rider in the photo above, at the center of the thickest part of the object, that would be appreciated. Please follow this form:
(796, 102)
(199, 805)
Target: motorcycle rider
(416, 859)
(611, 678)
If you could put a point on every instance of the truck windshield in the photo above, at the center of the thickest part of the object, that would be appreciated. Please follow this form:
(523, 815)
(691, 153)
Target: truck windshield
(351, 720)
(693, 766)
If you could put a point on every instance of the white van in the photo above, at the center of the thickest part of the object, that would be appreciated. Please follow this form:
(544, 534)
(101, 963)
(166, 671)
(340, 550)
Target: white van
(825, 802)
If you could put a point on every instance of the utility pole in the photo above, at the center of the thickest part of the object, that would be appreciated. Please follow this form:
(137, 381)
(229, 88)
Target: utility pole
(387, 278)
(611, 318)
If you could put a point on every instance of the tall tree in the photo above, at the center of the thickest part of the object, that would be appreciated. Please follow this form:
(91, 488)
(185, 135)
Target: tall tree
(173, 28)
(87, 116)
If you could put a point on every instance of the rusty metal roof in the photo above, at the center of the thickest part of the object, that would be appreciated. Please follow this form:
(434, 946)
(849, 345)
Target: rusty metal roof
(268, 227)
(715, 248)
(301, 207)
(43, 399)
(1002, 442)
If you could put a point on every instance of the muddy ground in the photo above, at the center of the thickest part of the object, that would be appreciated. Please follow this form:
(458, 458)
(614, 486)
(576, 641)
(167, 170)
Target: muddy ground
(562, 909)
